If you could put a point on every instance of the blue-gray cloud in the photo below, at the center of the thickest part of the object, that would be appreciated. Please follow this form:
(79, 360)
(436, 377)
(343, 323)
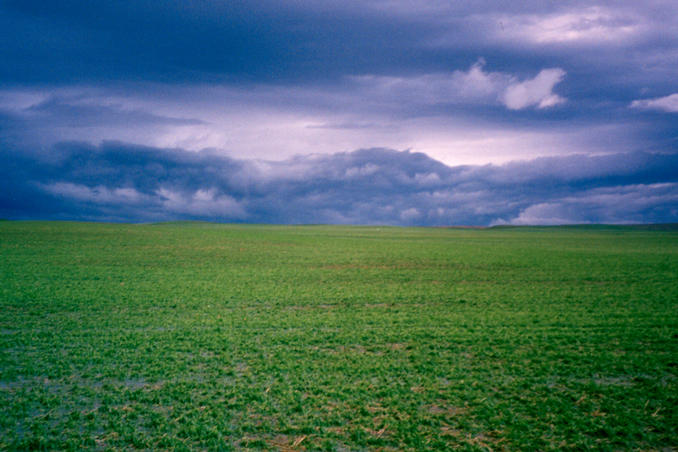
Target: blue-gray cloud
(666, 103)
(64, 113)
(548, 63)
(121, 182)
(613, 50)
(462, 81)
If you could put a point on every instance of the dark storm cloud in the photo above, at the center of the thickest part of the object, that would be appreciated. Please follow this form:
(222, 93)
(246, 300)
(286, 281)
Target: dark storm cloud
(123, 182)
(474, 82)
(77, 41)
(612, 54)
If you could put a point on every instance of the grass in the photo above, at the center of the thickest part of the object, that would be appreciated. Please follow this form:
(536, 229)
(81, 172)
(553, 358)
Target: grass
(203, 336)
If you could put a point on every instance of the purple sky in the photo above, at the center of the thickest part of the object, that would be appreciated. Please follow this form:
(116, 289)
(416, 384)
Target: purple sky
(153, 96)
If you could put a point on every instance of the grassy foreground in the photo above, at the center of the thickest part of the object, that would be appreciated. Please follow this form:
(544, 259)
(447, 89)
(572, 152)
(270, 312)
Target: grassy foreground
(204, 336)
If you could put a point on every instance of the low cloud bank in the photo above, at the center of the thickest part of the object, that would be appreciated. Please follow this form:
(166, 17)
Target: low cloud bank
(122, 182)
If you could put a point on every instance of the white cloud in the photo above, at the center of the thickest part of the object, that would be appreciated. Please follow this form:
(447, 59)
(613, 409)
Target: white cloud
(547, 214)
(475, 86)
(666, 103)
(99, 194)
(202, 202)
(472, 86)
(535, 92)
(590, 25)
(411, 214)
(476, 82)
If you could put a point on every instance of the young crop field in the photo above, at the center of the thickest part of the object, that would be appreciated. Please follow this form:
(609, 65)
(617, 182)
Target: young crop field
(237, 337)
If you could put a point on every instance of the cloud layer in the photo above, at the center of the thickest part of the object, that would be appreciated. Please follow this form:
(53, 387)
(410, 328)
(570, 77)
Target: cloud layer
(464, 82)
(120, 182)
(256, 83)
(474, 86)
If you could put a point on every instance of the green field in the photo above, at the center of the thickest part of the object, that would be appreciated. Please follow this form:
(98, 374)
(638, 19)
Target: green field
(220, 337)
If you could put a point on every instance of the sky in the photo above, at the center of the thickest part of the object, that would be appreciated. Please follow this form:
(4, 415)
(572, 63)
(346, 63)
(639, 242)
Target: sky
(350, 112)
